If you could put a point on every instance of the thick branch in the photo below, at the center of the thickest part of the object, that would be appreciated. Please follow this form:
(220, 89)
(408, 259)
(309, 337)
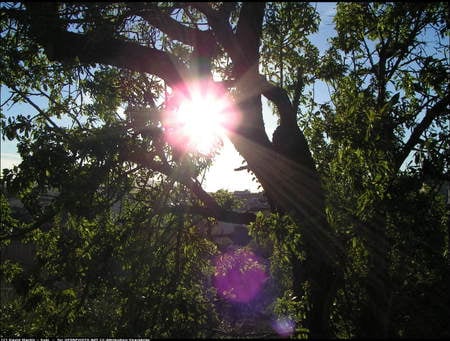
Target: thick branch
(61, 45)
(438, 109)
(249, 30)
(121, 54)
(242, 47)
(202, 40)
(211, 209)
(281, 100)
(218, 20)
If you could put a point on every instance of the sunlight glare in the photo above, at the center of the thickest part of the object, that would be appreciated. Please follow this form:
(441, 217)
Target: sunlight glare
(199, 119)
(239, 275)
(284, 326)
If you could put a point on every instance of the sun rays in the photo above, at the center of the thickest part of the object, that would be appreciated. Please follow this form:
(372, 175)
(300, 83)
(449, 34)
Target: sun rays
(198, 116)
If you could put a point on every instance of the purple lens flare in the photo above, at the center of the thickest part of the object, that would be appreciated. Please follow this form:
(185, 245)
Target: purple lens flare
(239, 275)
(284, 326)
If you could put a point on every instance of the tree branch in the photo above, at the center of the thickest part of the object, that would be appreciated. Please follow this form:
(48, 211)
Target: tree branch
(40, 221)
(438, 109)
(36, 107)
(281, 100)
(299, 85)
(211, 209)
(62, 45)
(401, 52)
(218, 21)
(203, 40)
(249, 30)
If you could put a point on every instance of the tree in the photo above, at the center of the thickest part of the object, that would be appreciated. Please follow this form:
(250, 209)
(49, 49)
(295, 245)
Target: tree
(389, 101)
(93, 33)
(134, 264)
(134, 52)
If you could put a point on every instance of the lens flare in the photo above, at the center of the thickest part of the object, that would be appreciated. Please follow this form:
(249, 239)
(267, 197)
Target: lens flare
(284, 326)
(197, 117)
(239, 275)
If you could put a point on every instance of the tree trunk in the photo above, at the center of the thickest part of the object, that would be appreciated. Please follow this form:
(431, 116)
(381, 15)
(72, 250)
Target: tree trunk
(288, 175)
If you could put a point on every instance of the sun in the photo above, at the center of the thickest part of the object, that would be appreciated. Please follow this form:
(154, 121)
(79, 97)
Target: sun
(199, 119)
(202, 122)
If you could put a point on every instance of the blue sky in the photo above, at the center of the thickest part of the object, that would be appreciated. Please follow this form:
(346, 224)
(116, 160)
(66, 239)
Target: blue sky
(221, 174)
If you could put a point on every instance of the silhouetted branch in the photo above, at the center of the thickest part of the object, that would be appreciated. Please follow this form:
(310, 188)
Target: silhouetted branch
(61, 45)
(438, 109)
(211, 209)
(174, 29)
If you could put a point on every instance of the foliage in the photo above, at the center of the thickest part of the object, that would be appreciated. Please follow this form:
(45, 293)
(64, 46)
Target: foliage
(227, 200)
(288, 58)
(104, 244)
(111, 208)
(271, 233)
(146, 270)
(381, 103)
